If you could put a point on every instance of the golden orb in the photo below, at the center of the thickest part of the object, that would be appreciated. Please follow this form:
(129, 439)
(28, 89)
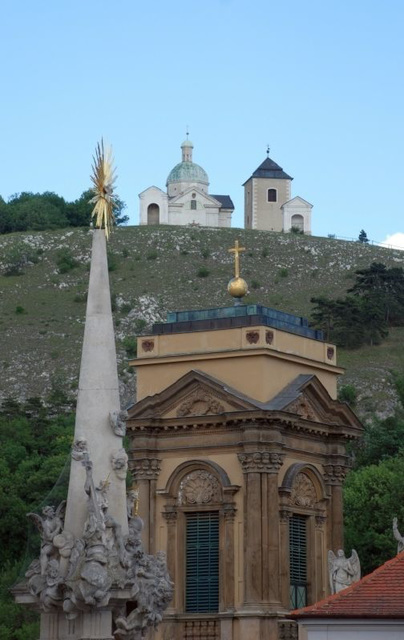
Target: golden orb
(237, 287)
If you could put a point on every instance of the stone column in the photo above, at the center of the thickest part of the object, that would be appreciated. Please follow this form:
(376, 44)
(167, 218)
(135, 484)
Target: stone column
(320, 590)
(170, 515)
(334, 476)
(228, 514)
(261, 526)
(145, 472)
(284, 568)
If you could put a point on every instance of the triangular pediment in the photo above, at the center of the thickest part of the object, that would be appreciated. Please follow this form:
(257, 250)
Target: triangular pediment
(184, 197)
(195, 394)
(307, 397)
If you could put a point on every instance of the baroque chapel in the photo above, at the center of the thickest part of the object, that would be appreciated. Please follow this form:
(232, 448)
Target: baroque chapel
(187, 200)
(238, 448)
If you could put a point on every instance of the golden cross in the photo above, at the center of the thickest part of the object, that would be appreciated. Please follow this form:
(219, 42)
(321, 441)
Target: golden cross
(236, 250)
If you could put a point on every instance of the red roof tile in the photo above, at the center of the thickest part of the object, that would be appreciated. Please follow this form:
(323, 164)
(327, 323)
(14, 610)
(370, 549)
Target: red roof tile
(378, 595)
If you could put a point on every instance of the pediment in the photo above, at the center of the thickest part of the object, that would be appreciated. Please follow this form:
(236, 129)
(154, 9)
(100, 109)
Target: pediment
(193, 395)
(202, 197)
(312, 402)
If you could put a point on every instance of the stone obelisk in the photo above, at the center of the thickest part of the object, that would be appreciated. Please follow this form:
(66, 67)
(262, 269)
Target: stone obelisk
(98, 397)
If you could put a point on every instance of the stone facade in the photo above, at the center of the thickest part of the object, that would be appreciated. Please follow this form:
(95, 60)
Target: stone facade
(257, 464)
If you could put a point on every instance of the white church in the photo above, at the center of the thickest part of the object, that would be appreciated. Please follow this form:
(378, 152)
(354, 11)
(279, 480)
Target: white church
(268, 205)
(187, 200)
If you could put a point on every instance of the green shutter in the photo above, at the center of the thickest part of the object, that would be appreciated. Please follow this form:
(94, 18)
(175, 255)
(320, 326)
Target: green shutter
(202, 562)
(298, 561)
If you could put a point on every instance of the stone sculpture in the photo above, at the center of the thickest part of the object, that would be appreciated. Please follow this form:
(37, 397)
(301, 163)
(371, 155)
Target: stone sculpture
(343, 571)
(101, 559)
(119, 462)
(117, 421)
(398, 536)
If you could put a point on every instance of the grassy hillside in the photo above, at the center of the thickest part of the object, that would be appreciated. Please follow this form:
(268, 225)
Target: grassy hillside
(154, 270)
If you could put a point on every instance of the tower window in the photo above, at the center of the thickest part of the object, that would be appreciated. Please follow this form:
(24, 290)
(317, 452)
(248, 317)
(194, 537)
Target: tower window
(202, 562)
(193, 204)
(272, 195)
(298, 561)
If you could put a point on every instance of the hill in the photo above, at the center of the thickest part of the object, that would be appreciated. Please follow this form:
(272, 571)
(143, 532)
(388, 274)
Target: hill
(157, 269)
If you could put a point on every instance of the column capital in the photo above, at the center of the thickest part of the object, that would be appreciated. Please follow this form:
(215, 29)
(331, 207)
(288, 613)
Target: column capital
(335, 473)
(170, 515)
(261, 461)
(145, 468)
(320, 521)
(228, 511)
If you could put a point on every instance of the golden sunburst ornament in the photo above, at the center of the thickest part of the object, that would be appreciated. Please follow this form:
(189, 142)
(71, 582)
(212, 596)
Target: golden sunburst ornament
(103, 179)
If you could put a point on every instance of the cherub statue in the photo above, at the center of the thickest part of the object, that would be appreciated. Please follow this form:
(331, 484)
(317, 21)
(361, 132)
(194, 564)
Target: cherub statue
(398, 536)
(117, 420)
(50, 525)
(343, 571)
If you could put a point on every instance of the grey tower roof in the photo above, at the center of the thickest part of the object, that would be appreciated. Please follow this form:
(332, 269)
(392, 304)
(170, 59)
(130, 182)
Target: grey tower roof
(269, 169)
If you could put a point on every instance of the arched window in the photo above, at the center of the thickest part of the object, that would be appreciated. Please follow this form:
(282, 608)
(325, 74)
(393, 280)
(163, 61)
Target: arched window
(303, 515)
(153, 214)
(297, 222)
(272, 195)
(200, 515)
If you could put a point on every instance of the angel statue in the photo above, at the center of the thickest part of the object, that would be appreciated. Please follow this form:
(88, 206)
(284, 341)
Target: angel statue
(343, 571)
(398, 536)
(50, 524)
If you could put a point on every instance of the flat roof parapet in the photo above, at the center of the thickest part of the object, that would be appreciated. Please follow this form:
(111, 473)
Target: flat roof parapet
(236, 316)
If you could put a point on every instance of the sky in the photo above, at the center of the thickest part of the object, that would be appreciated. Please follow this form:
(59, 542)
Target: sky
(320, 82)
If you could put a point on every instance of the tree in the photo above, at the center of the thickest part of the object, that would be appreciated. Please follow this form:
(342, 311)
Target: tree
(363, 236)
(372, 498)
(382, 288)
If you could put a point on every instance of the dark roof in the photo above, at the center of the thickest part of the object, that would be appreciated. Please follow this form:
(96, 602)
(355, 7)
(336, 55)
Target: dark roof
(378, 595)
(225, 201)
(269, 169)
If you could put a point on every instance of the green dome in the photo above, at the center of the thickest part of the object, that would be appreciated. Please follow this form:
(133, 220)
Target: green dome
(188, 172)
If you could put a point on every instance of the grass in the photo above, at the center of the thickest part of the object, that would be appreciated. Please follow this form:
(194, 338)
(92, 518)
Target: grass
(158, 273)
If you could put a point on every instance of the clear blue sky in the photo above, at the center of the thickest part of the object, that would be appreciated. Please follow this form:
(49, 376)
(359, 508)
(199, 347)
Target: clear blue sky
(320, 81)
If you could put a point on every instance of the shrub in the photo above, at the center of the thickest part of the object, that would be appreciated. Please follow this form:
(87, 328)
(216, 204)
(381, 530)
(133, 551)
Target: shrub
(17, 257)
(255, 284)
(130, 345)
(80, 297)
(283, 272)
(205, 252)
(19, 310)
(112, 261)
(348, 394)
(152, 254)
(265, 252)
(203, 272)
(65, 260)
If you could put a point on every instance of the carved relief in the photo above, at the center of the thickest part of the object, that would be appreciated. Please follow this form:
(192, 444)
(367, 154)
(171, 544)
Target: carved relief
(269, 337)
(287, 630)
(330, 353)
(200, 403)
(261, 461)
(303, 409)
(252, 337)
(334, 473)
(148, 468)
(148, 345)
(202, 630)
(199, 487)
(303, 492)
(119, 463)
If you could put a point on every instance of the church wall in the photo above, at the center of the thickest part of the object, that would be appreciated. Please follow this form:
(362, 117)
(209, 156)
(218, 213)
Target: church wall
(269, 215)
(248, 205)
(153, 196)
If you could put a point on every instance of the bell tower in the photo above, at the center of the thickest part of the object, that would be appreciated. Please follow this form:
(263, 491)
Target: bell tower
(265, 192)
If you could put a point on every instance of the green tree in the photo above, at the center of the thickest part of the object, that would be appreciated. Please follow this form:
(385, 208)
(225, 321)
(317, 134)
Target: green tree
(382, 288)
(372, 498)
(363, 236)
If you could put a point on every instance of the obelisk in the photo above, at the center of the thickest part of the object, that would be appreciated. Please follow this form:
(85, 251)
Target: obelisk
(98, 397)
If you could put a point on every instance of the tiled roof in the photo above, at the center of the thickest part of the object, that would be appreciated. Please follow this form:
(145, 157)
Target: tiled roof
(225, 201)
(269, 169)
(378, 595)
